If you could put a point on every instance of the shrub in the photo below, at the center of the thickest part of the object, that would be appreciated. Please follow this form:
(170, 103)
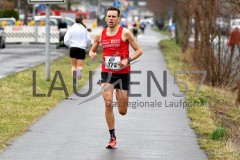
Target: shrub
(218, 133)
(8, 13)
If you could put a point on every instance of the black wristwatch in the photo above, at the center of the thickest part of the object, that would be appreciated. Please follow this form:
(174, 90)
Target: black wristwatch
(129, 59)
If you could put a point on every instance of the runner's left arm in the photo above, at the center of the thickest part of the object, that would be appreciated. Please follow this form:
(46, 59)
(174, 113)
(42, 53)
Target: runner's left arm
(133, 42)
(67, 37)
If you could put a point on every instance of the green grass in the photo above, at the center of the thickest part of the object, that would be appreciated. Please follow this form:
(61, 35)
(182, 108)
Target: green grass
(164, 32)
(19, 108)
(218, 133)
(170, 49)
(218, 110)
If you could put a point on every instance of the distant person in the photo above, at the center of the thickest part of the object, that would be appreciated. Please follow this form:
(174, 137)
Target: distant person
(135, 30)
(142, 26)
(151, 22)
(124, 23)
(77, 39)
(62, 27)
(172, 30)
(62, 24)
(234, 40)
(160, 24)
(138, 23)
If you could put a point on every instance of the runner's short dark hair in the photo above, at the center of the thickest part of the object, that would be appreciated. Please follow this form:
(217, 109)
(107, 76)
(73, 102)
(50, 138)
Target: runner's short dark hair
(79, 19)
(113, 9)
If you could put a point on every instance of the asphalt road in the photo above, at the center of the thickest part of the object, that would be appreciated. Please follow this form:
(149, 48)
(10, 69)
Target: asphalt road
(76, 129)
(17, 57)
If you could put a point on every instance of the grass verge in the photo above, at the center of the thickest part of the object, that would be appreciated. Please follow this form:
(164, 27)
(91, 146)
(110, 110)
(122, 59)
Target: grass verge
(19, 108)
(217, 120)
(164, 32)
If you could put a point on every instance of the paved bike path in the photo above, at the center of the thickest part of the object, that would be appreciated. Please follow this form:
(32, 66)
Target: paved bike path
(151, 130)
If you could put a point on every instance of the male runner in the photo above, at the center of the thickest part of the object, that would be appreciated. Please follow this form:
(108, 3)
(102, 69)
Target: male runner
(115, 42)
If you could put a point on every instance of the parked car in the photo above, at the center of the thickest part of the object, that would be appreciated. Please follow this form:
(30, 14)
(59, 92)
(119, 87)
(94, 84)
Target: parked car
(41, 22)
(68, 20)
(7, 22)
(2, 38)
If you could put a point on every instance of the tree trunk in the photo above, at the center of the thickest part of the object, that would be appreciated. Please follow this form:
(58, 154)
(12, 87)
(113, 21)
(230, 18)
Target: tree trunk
(26, 10)
(186, 34)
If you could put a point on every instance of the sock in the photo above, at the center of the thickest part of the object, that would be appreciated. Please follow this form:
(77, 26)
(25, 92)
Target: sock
(112, 133)
(79, 73)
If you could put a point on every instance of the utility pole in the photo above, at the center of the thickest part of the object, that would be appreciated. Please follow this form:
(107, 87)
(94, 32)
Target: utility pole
(47, 35)
(47, 46)
(18, 6)
(69, 5)
(99, 7)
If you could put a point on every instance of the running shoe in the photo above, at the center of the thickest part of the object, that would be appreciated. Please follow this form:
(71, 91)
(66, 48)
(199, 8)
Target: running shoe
(79, 74)
(99, 82)
(112, 143)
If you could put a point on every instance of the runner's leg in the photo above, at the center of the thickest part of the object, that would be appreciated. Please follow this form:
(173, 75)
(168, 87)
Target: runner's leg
(73, 69)
(122, 99)
(79, 68)
(107, 92)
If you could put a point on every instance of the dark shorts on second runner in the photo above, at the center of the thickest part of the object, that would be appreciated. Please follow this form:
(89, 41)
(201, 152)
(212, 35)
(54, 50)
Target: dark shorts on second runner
(78, 53)
(123, 78)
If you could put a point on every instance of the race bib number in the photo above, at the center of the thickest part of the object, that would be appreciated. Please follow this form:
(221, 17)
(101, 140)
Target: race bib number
(112, 62)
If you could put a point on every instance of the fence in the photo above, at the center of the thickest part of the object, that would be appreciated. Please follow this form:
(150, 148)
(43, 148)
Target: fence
(31, 34)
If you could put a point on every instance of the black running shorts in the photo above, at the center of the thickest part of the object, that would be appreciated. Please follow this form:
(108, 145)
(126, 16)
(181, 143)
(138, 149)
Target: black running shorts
(78, 53)
(119, 79)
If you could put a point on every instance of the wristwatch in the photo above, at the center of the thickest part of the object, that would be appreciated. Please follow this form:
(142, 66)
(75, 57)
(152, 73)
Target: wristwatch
(129, 59)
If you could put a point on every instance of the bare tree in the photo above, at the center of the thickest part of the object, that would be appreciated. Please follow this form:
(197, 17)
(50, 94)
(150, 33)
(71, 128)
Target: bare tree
(26, 10)
(183, 18)
(210, 52)
(159, 7)
(232, 62)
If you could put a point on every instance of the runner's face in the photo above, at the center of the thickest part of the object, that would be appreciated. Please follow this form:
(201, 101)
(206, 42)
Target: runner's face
(112, 19)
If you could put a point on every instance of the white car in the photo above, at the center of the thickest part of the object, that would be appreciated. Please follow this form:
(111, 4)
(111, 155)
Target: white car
(8, 21)
(68, 20)
(53, 22)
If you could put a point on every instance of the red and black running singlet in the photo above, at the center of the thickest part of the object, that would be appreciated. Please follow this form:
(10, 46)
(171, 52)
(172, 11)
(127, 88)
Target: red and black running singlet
(114, 50)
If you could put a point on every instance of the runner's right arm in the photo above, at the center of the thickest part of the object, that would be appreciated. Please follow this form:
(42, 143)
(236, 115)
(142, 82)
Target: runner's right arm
(96, 41)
